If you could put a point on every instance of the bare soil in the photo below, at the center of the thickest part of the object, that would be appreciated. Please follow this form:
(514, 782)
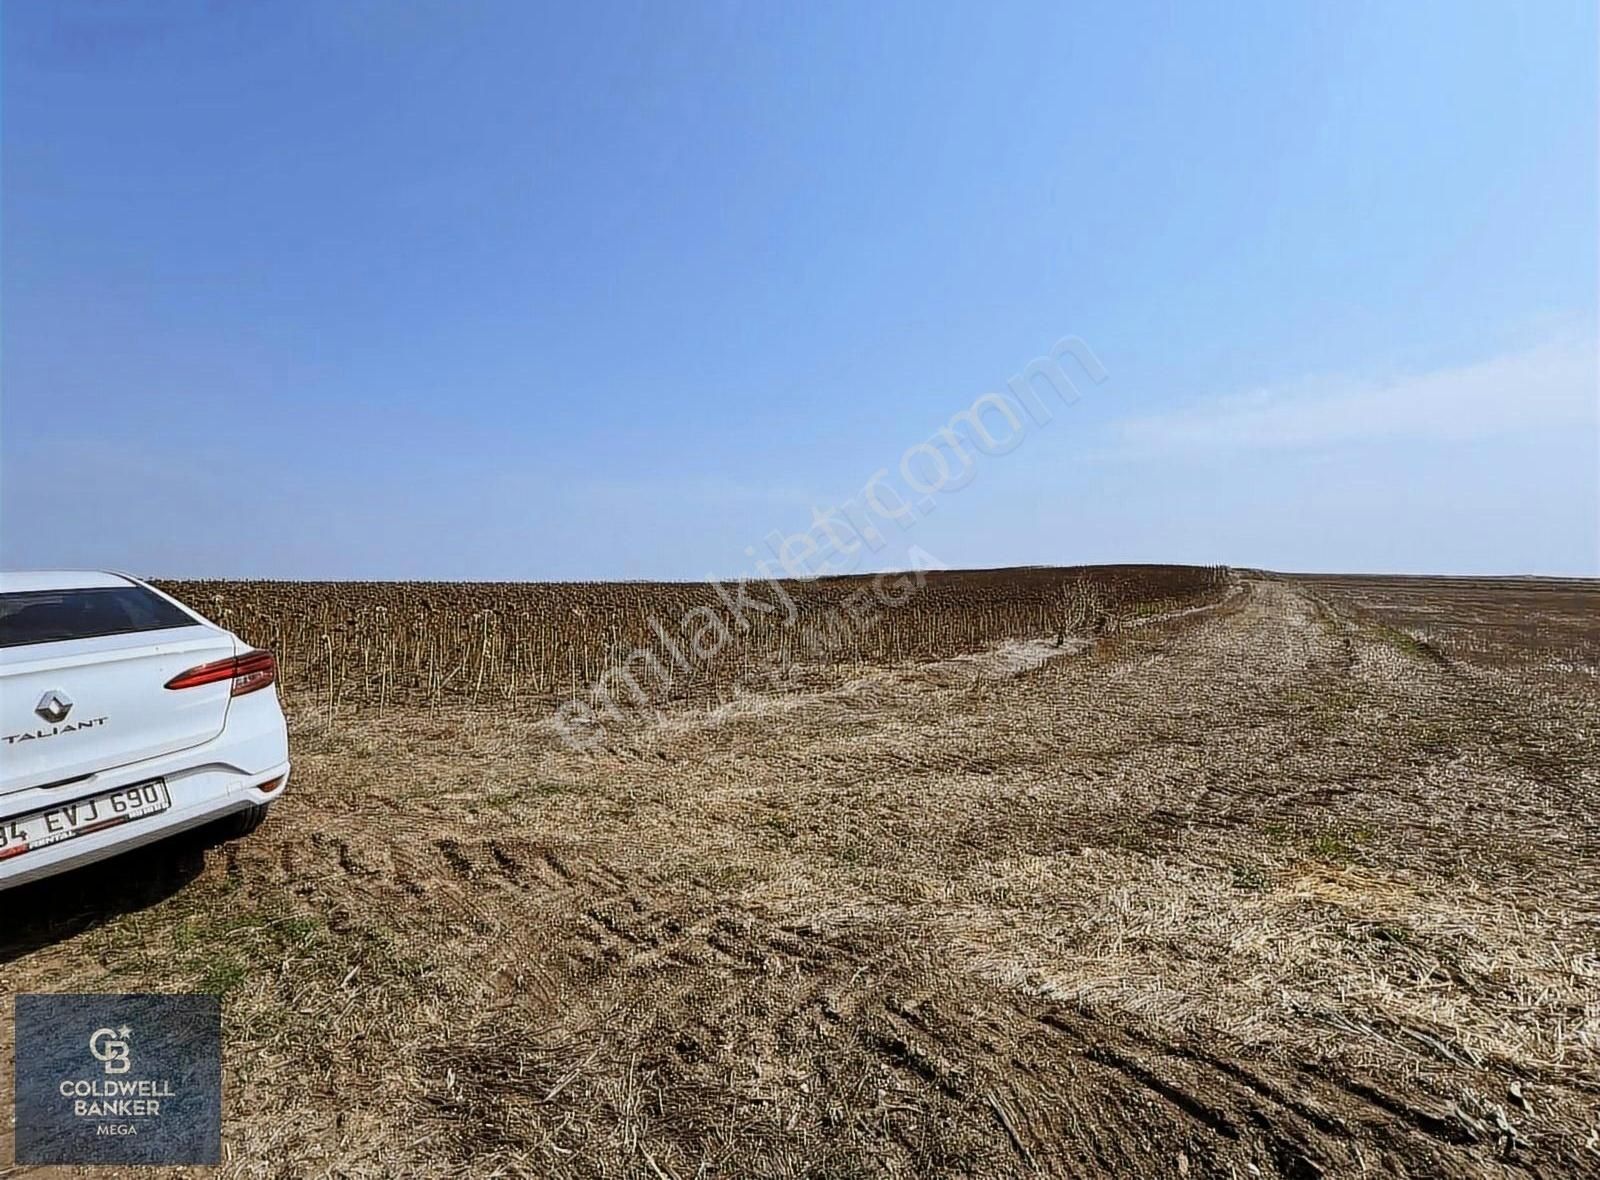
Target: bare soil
(1303, 882)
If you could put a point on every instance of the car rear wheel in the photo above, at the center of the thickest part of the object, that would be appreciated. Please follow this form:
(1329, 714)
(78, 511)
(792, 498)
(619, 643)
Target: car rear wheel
(242, 823)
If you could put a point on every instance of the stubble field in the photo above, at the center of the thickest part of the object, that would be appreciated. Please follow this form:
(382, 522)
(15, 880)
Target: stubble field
(1132, 870)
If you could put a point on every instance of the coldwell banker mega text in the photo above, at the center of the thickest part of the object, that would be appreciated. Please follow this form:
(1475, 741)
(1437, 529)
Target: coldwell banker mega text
(112, 1100)
(118, 1079)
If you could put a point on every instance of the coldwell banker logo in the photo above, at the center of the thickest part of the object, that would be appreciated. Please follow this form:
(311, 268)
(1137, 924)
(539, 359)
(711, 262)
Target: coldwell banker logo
(134, 1079)
(113, 1052)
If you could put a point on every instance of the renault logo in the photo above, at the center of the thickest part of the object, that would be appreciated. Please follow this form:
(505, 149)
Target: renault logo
(54, 706)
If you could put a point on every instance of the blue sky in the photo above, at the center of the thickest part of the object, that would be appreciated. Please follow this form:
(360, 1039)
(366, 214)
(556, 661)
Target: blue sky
(490, 290)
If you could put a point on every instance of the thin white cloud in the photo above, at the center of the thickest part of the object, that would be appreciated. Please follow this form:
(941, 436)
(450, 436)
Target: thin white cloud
(1550, 385)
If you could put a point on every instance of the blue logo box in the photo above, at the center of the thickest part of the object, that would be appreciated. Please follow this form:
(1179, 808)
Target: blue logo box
(132, 1079)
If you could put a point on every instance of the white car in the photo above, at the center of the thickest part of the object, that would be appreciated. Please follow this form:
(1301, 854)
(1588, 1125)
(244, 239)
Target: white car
(125, 717)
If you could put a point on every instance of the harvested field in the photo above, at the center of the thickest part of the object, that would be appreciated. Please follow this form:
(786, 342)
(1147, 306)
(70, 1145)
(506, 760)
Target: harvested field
(1135, 871)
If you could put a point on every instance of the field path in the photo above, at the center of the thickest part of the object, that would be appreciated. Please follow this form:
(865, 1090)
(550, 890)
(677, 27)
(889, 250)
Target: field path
(1302, 883)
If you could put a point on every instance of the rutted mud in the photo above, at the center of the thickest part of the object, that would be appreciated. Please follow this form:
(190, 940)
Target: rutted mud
(1271, 888)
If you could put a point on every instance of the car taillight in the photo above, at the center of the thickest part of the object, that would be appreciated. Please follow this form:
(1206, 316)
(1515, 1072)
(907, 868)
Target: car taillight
(253, 670)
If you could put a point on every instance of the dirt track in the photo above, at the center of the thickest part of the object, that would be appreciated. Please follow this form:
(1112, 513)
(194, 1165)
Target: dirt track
(1294, 885)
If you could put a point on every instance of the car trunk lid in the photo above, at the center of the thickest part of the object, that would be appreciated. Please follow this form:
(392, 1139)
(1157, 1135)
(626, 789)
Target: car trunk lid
(75, 708)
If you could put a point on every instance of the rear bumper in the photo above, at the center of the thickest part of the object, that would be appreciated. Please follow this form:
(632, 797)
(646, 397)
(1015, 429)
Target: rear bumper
(206, 784)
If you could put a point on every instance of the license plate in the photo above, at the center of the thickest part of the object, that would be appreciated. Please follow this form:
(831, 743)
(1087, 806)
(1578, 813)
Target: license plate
(44, 828)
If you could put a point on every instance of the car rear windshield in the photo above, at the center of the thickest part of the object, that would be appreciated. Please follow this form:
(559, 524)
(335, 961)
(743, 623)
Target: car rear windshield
(53, 616)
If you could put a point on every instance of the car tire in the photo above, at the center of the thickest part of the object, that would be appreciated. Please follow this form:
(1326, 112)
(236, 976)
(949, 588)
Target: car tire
(241, 823)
